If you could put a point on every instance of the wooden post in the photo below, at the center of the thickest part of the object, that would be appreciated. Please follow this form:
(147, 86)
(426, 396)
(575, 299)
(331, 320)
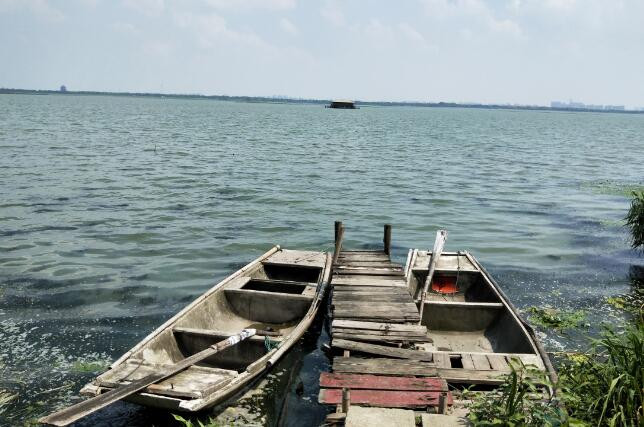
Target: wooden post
(387, 239)
(338, 224)
(338, 244)
(442, 403)
(346, 400)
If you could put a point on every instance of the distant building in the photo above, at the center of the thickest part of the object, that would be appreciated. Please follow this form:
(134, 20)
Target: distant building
(614, 107)
(63, 88)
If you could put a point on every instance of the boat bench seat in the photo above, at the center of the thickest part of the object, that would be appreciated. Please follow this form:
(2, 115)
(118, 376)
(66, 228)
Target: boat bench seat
(270, 301)
(196, 382)
(220, 335)
(460, 315)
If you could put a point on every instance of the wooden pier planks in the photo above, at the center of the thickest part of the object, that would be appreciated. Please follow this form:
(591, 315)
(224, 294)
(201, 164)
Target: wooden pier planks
(383, 391)
(385, 398)
(375, 293)
(379, 382)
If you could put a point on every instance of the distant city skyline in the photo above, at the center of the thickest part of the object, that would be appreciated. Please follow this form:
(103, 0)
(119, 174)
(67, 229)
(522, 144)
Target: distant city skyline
(527, 52)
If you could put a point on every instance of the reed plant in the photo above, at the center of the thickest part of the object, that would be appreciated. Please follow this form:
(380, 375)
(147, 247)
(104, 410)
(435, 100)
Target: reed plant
(604, 387)
(635, 219)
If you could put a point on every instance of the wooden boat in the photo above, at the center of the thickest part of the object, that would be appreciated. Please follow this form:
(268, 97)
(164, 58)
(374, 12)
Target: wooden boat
(472, 324)
(278, 294)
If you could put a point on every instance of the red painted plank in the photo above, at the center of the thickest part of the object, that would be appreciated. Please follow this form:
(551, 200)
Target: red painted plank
(381, 382)
(385, 398)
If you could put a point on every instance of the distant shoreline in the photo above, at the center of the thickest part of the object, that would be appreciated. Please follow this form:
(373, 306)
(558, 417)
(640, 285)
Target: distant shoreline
(266, 99)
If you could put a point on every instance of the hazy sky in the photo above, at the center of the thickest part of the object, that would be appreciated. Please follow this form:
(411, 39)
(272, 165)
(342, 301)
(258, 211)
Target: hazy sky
(515, 51)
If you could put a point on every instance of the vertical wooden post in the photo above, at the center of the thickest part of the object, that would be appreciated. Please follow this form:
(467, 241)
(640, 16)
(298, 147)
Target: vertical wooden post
(442, 403)
(338, 224)
(387, 239)
(338, 243)
(346, 400)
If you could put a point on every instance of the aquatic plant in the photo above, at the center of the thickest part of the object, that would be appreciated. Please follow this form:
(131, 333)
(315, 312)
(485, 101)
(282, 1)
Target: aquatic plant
(188, 423)
(556, 319)
(602, 388)
(635, 219)
(524, 399)
(6, 398)
(607, 388)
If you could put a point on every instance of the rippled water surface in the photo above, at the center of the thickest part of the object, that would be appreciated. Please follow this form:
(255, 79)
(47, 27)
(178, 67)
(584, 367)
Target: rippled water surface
(115, 212)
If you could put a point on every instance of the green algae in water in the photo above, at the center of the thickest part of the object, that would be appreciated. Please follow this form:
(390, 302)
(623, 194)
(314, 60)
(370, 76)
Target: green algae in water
(613, 188)
(81, 366)
(559, 320)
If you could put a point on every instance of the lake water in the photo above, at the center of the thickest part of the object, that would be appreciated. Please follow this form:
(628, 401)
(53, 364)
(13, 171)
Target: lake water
(115, 212)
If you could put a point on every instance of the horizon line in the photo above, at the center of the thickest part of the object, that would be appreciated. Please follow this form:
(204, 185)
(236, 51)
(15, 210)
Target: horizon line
(297, 100)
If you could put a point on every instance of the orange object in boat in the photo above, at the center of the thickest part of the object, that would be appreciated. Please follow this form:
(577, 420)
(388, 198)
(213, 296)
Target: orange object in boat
(444, 284)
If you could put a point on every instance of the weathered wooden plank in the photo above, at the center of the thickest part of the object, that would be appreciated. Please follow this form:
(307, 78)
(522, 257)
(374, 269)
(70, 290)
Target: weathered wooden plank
(498, 362)
(353, 335)
(442, 360)
(400, 367)
(374, 264)
(480, 362)
(382, 350)
(381, 382)
(383, 306)
(363, 257)
(362, 279)
(350, 297)
(368, 271)
(466, 360)
(378, 326)
(377, 316)
(385, 398)
(379, 334)
(371, 281)
(388, 290)
(383, 366)
(466, 305)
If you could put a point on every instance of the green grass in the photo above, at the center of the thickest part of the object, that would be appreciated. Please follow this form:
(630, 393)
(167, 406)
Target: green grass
(560, 320)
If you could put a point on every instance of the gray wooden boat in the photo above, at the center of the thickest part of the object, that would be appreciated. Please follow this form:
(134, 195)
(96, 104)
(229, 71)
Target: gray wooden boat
(278, 294)
(472, 324)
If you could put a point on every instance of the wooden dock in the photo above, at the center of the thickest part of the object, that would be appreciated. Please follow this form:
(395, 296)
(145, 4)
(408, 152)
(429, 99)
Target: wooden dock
(374, 315)
(383, 357)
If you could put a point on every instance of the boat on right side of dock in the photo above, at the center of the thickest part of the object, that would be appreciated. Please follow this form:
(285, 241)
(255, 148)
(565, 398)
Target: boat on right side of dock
(471, 322)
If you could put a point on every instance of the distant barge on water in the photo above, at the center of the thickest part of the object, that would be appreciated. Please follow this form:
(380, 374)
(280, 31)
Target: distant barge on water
(343, 104)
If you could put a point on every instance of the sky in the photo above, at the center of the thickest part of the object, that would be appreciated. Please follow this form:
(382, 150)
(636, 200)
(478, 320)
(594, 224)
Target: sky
(496, 51)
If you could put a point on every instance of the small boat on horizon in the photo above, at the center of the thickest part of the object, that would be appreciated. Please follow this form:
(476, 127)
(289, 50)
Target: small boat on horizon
(342, 104)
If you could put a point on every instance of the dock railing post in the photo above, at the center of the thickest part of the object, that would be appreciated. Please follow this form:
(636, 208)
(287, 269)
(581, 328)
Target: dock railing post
(387, 239)
(346, 400)
(339, 230)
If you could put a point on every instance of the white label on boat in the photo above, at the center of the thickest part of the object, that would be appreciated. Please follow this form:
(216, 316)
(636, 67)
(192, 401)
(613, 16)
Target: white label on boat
(242, 335)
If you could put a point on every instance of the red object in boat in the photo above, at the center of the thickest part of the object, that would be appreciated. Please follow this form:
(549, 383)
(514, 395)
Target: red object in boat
(444, 284)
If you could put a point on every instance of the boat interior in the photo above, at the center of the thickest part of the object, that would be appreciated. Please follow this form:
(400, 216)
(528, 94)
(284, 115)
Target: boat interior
(463, 312)
(272, 296)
